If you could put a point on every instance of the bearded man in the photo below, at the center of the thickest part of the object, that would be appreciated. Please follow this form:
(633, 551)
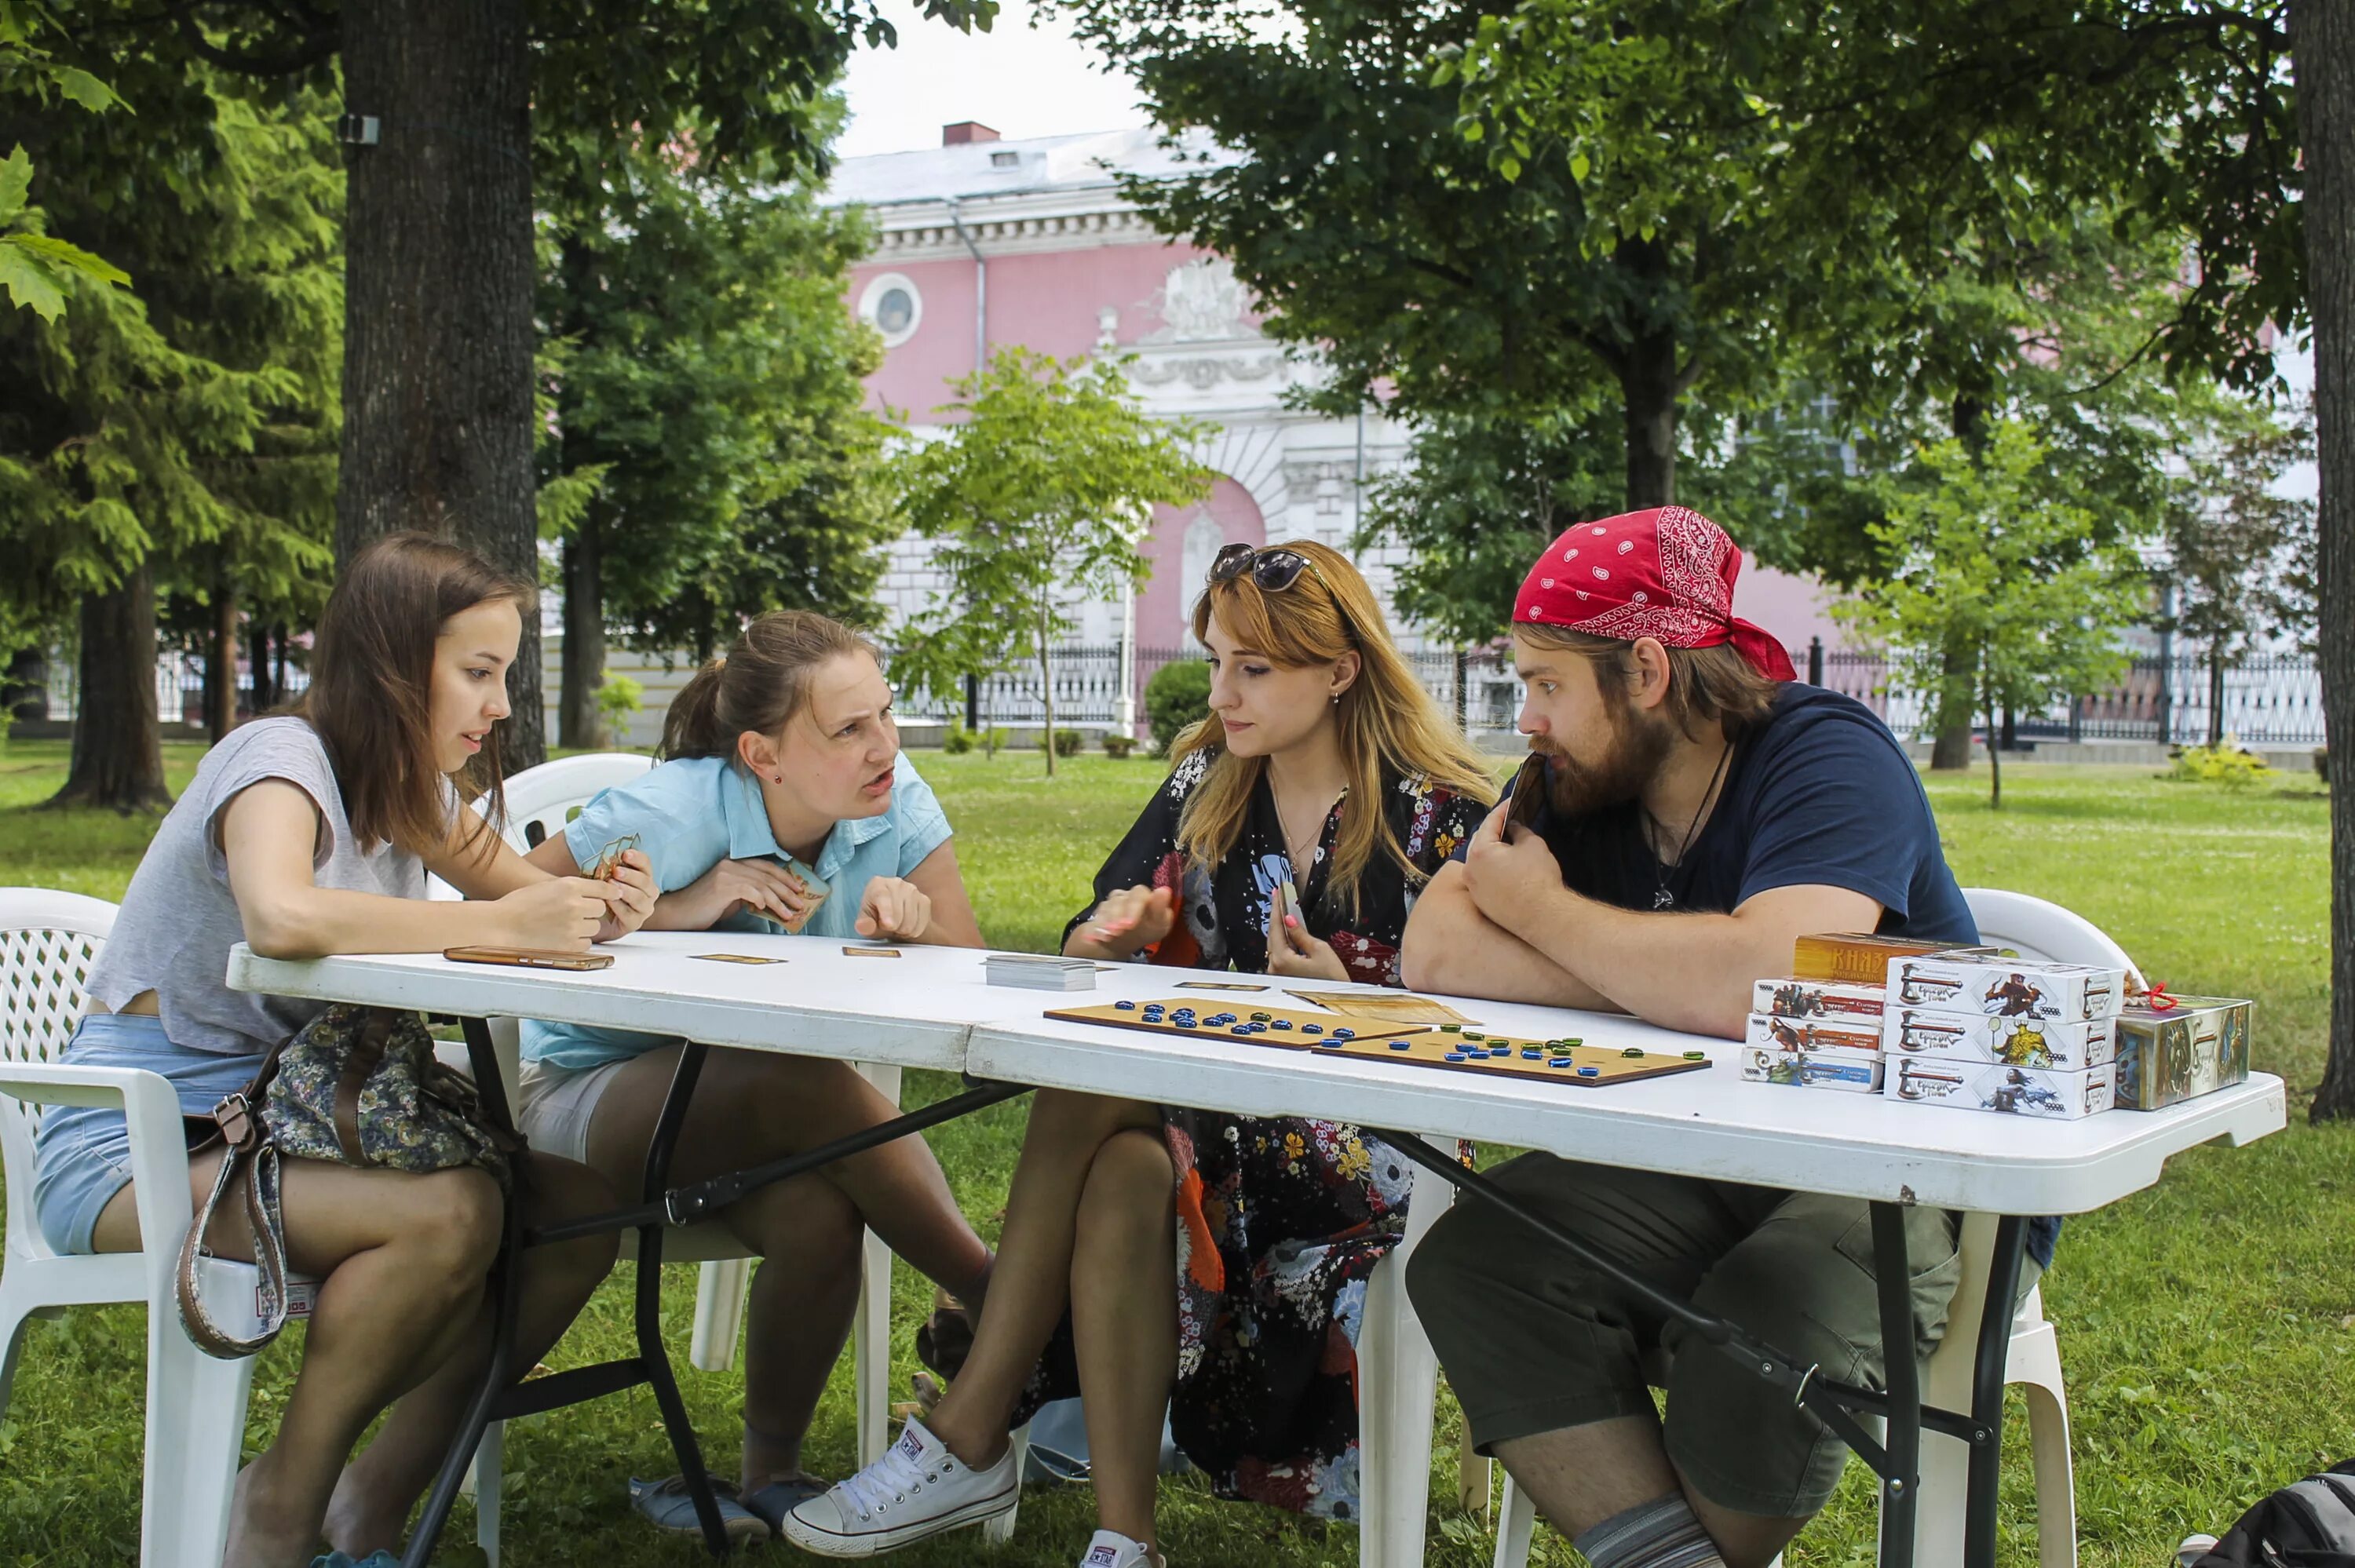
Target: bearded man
(1703, 810)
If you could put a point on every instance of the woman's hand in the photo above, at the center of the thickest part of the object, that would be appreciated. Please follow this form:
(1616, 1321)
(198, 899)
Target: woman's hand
(1132, 918)
(563, 914)
(632, 884)
(1297, 954)
(894, 909)
(760, 885)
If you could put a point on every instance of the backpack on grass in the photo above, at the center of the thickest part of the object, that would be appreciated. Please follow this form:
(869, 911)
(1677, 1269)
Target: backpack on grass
(2310, 1524)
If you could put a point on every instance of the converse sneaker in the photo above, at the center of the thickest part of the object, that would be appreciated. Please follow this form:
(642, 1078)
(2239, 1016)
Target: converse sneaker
(1110, 1549)
(917, 1490)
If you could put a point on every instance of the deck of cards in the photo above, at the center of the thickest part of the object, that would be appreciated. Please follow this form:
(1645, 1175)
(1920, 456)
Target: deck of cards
(1038, 974)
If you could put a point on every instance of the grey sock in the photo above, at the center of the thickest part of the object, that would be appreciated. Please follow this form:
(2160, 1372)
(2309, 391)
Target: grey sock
(1662, 1534)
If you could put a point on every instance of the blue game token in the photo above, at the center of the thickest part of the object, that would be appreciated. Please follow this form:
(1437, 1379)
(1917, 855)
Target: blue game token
(1183, 1022)
(1590, 1072)
(1332, 1045)
(1239, 1029)
(1455, 1056)
(1533, 1053)
(1344, 1034)
(1395, 1045)
(1125, 1006)
(1559, 1062)
(1284, 1023)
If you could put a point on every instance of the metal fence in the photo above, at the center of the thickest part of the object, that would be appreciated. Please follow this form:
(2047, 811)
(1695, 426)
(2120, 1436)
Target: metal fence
(179, 688)
(2267, 699)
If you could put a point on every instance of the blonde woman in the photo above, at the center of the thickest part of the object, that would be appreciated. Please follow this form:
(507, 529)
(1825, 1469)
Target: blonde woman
(1296, 826)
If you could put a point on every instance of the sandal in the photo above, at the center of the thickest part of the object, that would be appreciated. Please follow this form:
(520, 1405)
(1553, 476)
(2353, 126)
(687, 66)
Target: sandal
(945, 1338)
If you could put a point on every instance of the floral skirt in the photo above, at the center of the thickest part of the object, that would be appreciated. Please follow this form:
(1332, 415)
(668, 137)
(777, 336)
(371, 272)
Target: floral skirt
(1280, 1221)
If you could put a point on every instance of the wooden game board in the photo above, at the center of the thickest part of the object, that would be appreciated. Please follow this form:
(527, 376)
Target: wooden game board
(1426, 1046)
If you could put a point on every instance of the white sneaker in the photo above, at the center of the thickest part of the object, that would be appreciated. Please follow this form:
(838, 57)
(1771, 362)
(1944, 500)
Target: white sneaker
(1110, 1548)
(917, 1490)
(2193, 1549)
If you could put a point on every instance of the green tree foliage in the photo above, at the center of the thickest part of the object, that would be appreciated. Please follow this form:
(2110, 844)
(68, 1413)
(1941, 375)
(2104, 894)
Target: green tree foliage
(183, 437)
(1038, 498)
(1177, 698)
(2242, 552)
(38, 268)
(709, 456)
(1988, 557)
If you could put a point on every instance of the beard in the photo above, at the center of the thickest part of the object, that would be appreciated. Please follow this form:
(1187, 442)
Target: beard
(1631, 755)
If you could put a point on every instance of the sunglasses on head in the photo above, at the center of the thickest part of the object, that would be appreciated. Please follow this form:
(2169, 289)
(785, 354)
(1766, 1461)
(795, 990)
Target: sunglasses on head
(1272, 570)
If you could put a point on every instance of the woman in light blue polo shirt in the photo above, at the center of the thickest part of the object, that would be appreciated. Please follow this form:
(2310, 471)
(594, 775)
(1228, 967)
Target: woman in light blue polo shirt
(785, 804)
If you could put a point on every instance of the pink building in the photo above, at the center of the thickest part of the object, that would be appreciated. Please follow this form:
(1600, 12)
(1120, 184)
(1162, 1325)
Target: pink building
(982, 242)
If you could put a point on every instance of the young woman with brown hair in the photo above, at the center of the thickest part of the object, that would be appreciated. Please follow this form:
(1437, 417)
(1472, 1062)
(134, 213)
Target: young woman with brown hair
(1296, 826)
(784, 803)
(305, 835)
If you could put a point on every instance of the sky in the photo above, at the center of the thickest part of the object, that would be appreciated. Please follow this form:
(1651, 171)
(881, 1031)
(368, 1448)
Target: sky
(1018, 79)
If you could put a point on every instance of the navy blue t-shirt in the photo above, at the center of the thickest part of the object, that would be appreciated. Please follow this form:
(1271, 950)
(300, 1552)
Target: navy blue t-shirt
(1820, 794)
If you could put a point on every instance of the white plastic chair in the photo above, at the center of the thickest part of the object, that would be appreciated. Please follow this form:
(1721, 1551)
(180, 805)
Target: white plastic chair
(2036, 929)
(195, 1404)
(1397, 1388)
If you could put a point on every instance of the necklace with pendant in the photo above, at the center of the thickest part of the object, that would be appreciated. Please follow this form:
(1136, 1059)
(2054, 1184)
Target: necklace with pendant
(1662, 896)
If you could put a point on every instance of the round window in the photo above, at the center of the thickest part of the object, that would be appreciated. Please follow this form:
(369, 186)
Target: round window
(893, 305)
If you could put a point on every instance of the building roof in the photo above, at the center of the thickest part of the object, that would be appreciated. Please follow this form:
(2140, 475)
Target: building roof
(1088, 160)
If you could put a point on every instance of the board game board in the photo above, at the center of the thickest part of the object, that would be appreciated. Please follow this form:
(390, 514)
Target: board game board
(1419, 1046)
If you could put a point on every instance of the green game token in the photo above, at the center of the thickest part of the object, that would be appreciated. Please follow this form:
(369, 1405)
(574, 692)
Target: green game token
(1696, 1056)
(1576, 1039)
(1633, 1051)
(1261, 1017)
(1474, 1034)
(1451, 1029)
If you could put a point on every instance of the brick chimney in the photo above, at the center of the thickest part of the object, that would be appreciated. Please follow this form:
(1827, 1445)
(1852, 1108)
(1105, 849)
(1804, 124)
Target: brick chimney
(964, 132)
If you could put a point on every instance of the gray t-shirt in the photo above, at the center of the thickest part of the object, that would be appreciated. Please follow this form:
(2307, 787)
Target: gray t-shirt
(179, 919)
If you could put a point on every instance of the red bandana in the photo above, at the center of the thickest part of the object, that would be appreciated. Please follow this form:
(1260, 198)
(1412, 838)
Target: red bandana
(1667, 574)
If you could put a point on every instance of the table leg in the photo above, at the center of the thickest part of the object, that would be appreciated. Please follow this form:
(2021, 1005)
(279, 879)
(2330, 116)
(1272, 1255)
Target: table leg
(653, 1355)
(1987, 1391)
(500, 1370)
(1902, 1440)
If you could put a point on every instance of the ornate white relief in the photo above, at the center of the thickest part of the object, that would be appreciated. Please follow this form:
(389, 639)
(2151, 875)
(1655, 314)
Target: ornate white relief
(1202, 374)
(1203, 302)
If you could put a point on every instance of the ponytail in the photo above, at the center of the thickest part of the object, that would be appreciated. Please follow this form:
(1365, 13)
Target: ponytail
(761, 683)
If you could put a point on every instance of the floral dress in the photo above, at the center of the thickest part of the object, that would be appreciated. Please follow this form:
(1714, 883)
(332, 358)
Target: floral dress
(1280, 1220)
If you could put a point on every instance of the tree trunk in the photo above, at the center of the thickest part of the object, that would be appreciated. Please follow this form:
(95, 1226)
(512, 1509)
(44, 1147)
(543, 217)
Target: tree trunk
(1648, 384)
(265, 685)
(1995, 757)
(220, 668)
(118, 754)
(1046, 690)
(2216, 694)
(1952, 751)
(438, 330)
(2323, 44)
(580, 724)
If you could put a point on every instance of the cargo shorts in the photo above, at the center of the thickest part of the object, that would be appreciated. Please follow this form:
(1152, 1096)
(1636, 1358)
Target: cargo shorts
(1533, 1342)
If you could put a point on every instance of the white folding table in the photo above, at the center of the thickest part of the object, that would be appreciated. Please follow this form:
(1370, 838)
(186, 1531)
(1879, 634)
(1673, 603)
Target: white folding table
(1711, 1124)
(932, 1008)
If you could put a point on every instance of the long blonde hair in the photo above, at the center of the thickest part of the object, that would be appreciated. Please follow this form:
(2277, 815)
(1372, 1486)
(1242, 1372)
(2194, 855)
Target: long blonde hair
(1389, 723)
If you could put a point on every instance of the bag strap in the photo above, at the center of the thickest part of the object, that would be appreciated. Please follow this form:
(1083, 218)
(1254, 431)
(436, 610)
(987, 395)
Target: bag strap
(239, 1121)
(360, 1062)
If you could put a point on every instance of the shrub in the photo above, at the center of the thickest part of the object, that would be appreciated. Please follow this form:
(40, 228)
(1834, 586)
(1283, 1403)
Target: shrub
(2224, 763)
(617, 699)
(1117, 745)
(1067, 742)
(1177, 697)
(957, 740)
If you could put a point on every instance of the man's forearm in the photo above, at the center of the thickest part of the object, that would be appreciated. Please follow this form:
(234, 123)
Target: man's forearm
(1680, 970)
(1451, 946)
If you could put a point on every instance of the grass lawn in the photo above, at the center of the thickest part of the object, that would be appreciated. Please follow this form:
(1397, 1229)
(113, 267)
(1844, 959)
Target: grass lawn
(2207, 1325)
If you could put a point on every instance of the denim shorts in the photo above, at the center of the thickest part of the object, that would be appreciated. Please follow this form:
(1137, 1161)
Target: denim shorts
(81, 1154)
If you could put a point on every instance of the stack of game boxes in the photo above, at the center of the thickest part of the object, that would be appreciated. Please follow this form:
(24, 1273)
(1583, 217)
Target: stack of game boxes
(1983, 1031)
(1819, 1026)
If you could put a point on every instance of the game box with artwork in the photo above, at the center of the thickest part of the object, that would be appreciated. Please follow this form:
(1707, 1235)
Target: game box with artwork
(1766, 1032)
(1855, 957)
(1857, 1072)
(2169, 1053)
(1795, 998)
(1993, 1086)
(2007, 988)
(2014, 1042)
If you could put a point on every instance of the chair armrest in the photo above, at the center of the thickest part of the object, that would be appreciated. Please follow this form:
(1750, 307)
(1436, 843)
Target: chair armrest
(159, 1151)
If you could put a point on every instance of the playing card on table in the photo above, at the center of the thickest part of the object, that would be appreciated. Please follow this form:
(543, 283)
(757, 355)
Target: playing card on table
(1040, 973)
